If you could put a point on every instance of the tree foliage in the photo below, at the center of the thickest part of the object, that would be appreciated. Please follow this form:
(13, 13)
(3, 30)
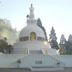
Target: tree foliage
(66, 48)
(39, 23)
(69, 45)
(4, 47)
(53, 39)
(62, 44)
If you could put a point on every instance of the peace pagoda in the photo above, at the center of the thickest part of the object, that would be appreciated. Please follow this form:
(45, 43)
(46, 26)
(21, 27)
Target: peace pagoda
(32, 39)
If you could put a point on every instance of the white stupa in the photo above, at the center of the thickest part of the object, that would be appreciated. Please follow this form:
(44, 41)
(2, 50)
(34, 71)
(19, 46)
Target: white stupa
(32, 39)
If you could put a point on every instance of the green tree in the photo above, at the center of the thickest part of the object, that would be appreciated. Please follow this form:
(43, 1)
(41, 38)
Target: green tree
(53, 39)
(69, 45)
(39, 23)
(62, 45)
(4, 47)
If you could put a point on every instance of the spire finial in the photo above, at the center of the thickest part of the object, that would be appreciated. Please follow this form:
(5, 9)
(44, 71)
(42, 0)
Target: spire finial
(31, 12)
(31, 20)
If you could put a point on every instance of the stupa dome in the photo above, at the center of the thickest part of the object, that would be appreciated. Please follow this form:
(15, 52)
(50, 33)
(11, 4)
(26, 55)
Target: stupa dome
(32, 28)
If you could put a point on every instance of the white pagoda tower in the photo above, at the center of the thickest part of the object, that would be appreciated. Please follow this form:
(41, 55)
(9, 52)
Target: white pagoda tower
(32, 39)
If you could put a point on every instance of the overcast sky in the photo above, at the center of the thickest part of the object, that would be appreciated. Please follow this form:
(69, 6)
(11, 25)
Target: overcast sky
(57, 13)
